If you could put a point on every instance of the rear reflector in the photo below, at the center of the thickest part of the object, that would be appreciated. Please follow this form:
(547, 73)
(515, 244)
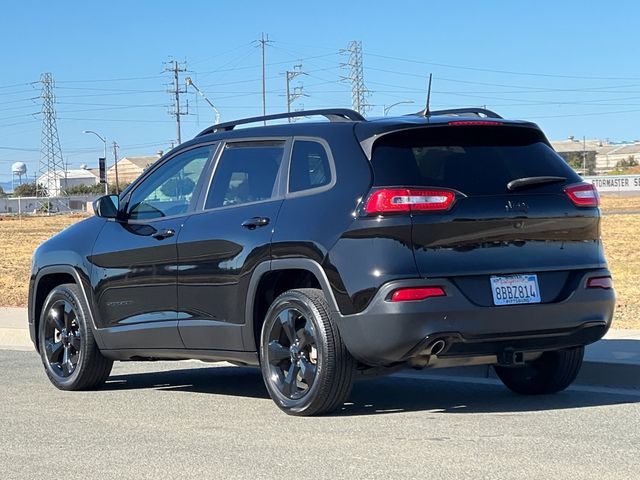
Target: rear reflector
(466, 123)
(600, 282)
(583, 194)
(417, 293)
(408, 200)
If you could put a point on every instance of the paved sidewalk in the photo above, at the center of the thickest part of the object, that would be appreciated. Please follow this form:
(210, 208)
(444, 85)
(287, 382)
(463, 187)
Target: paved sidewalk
(14, 332)
(614, 361)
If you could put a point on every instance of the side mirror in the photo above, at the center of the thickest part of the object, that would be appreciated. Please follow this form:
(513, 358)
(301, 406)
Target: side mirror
(106, 206)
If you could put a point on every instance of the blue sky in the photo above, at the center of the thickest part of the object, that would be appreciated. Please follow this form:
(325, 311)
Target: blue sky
(570, 66)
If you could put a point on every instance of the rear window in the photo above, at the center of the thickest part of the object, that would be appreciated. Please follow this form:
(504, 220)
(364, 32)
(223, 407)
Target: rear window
(476, 160)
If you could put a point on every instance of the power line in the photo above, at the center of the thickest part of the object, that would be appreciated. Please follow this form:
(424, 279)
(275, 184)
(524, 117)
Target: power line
(505, 72)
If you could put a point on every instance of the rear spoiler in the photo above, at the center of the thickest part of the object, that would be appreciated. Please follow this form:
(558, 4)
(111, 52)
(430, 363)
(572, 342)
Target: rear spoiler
(372, 137)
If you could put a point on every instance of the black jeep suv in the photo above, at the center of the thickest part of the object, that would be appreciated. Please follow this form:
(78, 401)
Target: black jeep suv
(321, 251)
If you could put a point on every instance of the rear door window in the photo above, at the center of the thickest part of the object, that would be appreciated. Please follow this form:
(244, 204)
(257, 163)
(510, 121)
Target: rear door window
(246, 173)
(476, 160)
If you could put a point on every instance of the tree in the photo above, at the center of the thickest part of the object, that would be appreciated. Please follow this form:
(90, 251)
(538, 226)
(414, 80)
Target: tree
(629, 162)
(30, 190)
(95, 189)
(2, 193)
(577, 161)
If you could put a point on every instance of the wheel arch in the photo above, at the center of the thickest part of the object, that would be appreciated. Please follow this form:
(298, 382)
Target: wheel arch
(270, 279)
(46, 280)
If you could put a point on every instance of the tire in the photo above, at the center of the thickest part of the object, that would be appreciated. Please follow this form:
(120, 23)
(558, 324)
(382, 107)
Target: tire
(67, 347)
(305, 365)
(551, 373)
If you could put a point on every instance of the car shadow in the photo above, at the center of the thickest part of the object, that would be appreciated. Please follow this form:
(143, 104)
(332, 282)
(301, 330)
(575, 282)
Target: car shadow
(382, 395)
(233, 381)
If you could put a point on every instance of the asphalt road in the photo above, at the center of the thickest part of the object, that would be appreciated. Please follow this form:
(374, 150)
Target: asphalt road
(193, 420)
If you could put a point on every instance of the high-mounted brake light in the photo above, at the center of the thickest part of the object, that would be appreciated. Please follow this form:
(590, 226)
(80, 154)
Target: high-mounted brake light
(466, 123)
(390, 200)
(413, 294)
(583, 194)
(600, 282)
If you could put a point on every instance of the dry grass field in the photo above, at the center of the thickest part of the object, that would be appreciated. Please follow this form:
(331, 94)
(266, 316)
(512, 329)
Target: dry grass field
(19, 238)
(620, 203)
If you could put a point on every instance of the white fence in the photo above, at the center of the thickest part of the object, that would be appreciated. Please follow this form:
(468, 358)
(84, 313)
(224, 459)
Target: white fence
(616, 183)
(25, 205)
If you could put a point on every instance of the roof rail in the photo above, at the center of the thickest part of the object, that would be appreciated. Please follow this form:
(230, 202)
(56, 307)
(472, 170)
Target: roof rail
(463, 111)
(332, 114)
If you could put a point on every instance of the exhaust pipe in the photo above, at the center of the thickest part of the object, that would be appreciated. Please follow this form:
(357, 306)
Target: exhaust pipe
(437, 347)
(422, 361)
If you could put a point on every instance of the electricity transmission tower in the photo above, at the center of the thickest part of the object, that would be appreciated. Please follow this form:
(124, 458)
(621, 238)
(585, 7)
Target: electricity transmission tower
(51, 168)
(298, 91)
(176, 68)
(359, 92)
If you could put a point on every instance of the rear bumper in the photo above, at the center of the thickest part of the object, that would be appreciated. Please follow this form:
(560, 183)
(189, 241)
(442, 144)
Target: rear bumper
(387, 332)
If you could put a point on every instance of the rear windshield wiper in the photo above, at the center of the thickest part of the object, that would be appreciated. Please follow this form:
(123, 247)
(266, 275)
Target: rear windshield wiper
(527, 181)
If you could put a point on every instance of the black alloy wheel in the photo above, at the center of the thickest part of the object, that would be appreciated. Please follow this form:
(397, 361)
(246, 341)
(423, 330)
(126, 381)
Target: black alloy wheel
(62, 338)
(305, 365)
(292, 353)
(69, 353)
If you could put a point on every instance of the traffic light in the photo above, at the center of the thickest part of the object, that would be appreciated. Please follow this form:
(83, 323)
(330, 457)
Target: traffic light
(103, 169)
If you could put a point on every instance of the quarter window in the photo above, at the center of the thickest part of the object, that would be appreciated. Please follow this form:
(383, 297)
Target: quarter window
(246, 172)
(309, 166)
(169, 189)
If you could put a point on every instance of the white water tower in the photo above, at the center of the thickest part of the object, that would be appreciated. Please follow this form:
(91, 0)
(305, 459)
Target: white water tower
(18, 170)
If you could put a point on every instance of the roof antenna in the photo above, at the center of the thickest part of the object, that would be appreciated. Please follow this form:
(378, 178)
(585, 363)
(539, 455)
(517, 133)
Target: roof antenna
(426, 112)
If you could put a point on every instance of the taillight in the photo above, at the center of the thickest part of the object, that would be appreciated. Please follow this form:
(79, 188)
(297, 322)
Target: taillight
(465, 123)
(600, 282)
(390, 200)
(583, 194)
(413, 294)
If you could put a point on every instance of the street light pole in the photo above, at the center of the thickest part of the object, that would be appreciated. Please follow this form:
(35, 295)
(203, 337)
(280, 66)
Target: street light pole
(104, 140)
(385, 110)
(189, 82)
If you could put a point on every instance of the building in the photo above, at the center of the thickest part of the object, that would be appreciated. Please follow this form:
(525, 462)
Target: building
(71, 178)
(602, 156)
(130, 168)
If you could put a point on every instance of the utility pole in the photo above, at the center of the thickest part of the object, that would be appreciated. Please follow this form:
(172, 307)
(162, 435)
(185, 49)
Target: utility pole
(359, 92)
(584, 155)
(297, 91)
(115, 164)
(51, 165)
(176, 68)
(264, 41)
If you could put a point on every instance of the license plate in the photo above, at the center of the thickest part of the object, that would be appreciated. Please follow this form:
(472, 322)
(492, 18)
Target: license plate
(515, 289)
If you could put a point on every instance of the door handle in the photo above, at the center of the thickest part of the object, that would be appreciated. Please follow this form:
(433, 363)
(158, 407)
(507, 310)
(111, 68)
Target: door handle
(255, 222)
(162, 234)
